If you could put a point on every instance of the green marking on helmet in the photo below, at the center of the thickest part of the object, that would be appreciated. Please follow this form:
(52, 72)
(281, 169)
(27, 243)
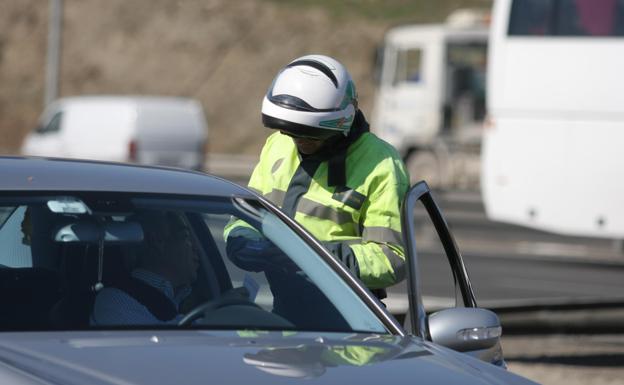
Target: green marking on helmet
(349, 95)
(336, 123)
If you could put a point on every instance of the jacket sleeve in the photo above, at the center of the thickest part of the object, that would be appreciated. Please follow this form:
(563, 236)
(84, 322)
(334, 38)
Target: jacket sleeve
(257, 183)
(378, 257)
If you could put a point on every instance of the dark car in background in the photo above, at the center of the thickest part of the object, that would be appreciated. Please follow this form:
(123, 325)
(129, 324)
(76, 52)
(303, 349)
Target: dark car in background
(73, 232)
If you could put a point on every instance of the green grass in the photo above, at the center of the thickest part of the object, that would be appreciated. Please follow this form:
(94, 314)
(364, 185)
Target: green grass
(389, 11)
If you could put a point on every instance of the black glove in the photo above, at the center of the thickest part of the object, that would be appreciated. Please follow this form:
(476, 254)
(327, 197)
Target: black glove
(257, 254)
(344, 254)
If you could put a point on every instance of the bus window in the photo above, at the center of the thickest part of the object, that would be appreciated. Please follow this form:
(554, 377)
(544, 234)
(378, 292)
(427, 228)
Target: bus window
(599, 18)
(408, 66)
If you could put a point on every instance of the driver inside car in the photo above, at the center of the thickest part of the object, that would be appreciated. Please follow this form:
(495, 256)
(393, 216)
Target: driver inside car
(167, 263)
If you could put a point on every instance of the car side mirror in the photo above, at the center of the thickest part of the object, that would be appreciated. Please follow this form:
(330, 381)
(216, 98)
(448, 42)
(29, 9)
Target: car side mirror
(465, 329)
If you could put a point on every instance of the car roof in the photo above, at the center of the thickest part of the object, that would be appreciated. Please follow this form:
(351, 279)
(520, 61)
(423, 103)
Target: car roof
(51, 174)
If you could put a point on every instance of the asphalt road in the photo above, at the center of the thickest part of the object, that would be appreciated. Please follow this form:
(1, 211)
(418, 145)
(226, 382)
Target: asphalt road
(510, 266)
(572, 359)
(513, 281)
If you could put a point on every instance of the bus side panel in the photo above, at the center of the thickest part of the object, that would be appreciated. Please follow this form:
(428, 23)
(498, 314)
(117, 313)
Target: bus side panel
(552, 158)
(560, 176)
(564, 75)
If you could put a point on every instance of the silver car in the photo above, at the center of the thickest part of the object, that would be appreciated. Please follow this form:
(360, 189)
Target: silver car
(119, 274)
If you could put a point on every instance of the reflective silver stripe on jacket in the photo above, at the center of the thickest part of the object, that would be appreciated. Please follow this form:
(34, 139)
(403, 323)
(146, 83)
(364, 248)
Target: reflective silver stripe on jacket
(349, 197)
(319, 210)
(276, 196)
(382, 235)
(277, 165)
(397, 263)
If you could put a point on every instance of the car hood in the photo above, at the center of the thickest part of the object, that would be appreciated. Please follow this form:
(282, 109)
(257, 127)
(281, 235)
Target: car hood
(237, 357)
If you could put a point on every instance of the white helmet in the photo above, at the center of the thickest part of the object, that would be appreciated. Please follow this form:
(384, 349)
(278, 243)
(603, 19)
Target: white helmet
(313, 96)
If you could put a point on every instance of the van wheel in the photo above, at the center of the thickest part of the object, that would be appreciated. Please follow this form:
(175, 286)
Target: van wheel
(424, 165)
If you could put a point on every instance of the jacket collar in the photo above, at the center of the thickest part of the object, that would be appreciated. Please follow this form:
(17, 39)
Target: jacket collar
(334, 151)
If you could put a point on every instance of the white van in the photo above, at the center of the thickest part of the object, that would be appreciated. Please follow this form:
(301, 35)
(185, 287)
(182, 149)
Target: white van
(149, 130)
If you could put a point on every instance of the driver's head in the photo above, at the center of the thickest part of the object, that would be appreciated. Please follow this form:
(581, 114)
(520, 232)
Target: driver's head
(168, 248)
(306, 146)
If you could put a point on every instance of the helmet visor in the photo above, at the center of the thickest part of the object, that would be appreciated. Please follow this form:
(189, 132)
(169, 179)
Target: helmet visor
(295, 103)
(297, 130)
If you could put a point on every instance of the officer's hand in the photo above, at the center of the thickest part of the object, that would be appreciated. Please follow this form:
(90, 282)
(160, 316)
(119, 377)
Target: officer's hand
(253, 254)
(342, 252)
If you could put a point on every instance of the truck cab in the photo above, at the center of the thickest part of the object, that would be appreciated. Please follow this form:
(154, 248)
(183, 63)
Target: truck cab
(430, 100)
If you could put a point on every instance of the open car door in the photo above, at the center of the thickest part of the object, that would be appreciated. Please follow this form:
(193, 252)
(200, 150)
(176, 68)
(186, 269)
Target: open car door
(463, 327)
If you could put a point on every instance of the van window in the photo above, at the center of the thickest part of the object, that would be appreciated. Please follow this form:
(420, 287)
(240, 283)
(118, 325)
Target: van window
(408, 66)
(589, 18)
(54, 125)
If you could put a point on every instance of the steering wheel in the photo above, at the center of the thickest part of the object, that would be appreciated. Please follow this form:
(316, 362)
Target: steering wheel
(214, 304)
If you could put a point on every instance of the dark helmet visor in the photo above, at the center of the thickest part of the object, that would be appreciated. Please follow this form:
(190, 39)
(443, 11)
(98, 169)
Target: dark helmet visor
(295, 103)
(296, 129)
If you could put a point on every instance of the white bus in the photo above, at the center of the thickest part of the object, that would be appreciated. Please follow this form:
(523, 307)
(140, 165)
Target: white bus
(553, 152)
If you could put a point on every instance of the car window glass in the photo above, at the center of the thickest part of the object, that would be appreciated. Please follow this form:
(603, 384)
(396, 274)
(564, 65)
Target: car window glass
(295, 286)
(15, 237)
(106, 260)
(5, 213)
(239, 277)
(334, 290)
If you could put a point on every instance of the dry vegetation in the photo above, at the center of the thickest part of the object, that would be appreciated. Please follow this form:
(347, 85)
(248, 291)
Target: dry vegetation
(222, 52)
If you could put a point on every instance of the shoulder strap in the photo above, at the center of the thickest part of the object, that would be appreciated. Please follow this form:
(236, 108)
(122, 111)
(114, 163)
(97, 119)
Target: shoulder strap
(153, 299)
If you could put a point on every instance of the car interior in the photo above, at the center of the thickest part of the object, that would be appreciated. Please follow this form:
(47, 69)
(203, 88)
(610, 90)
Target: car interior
(59, 252)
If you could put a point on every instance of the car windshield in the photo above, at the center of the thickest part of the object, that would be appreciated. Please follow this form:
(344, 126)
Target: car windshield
(73, 261)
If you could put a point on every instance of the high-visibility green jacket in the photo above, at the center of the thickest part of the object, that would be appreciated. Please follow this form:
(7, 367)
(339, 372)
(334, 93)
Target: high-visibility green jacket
(359, 223)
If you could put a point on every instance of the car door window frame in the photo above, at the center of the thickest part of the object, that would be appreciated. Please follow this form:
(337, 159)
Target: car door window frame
(463, 288)
(217, 270)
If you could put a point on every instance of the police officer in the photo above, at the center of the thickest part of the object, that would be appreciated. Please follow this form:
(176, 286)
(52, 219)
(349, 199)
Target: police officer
(325, 169)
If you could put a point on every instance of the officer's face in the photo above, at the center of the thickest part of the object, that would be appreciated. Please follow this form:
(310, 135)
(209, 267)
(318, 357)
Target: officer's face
(308, 146)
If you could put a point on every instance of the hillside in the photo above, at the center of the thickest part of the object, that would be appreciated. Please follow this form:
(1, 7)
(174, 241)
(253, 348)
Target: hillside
(222, 52)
